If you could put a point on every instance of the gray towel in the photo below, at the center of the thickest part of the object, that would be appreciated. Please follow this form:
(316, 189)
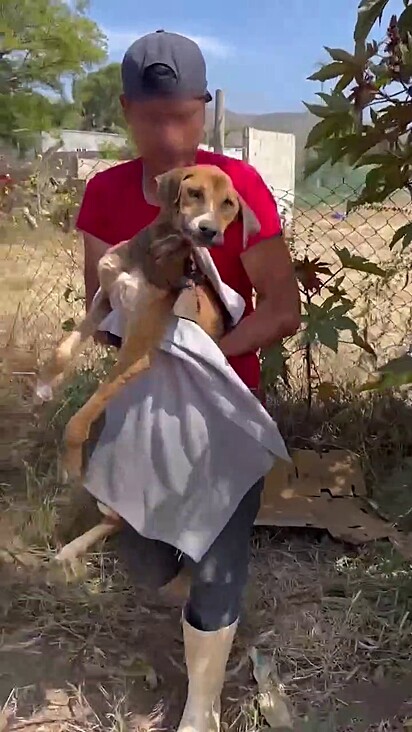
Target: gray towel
(184, 442)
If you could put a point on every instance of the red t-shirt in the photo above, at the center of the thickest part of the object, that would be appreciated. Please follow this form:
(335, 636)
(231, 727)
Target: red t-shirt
(114, 209)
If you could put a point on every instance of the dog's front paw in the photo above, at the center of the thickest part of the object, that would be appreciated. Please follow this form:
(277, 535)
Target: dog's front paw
(43, 392)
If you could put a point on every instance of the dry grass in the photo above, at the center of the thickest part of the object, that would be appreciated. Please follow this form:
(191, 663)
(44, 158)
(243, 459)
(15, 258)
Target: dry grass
(82, 652)
(331, 617)
(327, 616)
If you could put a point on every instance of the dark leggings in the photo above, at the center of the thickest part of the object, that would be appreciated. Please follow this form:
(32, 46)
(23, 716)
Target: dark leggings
(217, 581)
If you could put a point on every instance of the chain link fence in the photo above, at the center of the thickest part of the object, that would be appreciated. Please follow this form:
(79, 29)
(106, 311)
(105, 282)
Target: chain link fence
(41, 261)
(381, 304)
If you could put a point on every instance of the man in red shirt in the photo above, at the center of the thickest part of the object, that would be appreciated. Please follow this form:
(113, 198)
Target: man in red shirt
(164, 97)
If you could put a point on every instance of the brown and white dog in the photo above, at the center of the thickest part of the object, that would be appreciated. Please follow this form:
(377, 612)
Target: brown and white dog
(145, 277)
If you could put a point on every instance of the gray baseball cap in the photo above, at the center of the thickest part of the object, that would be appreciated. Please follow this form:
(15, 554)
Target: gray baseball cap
(164, 64)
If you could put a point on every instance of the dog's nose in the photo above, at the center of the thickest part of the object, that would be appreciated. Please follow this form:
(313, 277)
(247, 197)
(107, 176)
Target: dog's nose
(207, 230)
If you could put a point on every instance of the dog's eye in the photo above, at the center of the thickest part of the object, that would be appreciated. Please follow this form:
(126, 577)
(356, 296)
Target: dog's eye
(195, 193)
(228, 202)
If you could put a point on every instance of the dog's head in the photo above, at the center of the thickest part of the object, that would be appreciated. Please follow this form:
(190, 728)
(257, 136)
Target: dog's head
(203, 202)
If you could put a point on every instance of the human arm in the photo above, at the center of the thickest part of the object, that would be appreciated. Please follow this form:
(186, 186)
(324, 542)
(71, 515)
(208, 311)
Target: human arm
(270, 269)
(94, 249)
(92, 224)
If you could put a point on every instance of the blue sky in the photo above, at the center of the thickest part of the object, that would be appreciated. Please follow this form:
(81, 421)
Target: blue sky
(259, 53)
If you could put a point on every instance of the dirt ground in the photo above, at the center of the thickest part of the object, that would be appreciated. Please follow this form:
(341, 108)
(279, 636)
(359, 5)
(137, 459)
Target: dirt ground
(83, 651)
(92, 654)
(86, 652)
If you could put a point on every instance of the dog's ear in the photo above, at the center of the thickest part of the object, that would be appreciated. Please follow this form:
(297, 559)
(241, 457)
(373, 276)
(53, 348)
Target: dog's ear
(169, 185)
(251, 225)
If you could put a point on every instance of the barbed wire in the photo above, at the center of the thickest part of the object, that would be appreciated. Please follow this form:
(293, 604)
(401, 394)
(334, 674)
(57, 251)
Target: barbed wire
(41, 256)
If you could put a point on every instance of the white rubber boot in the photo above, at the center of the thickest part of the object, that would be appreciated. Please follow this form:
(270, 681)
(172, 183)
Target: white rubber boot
(206, 656)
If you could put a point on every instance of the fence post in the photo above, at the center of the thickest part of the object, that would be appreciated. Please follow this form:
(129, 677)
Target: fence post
(219, 126)
(245, 144)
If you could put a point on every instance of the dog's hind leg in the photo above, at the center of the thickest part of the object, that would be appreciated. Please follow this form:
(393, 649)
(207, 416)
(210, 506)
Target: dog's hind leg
(135, 357)
(78, 428)
(82, 544)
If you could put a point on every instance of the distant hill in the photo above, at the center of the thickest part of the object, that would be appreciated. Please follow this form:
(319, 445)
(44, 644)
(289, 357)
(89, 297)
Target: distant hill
(297, 123)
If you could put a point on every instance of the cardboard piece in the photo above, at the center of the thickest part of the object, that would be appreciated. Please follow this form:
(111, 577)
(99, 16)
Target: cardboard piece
(325, 490)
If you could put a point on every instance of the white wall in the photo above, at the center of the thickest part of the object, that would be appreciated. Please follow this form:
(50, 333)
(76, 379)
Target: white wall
(273, 156)
(73, 140)
(231, 152)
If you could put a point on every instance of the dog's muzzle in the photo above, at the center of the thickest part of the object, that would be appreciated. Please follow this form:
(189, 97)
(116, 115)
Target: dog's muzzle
(203, 232)
(205, 236)
(210, 235)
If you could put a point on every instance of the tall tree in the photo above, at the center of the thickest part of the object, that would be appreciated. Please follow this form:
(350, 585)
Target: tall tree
(43, 44)
(96, 96)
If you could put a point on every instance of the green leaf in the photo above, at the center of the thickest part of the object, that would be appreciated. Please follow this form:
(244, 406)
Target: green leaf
(274, 364)
(344, 82)
(328, 335)
(336, 311)
(330, 71)
(312, 164)
(358, 263)
(400, 365)
(380, 182)
(374, 116)
(343, 308)
(339, 54)
(395, 373)
(401, 114)
(381, 73)
(386, 158)
(337, 294)
(68, 291)
(336, 101)
(405, 20)
(404, 233)
(336, 147)
(319, 110)
(358, 145)
(324, 322)
(321, 130)
(314, 311)
(68, 325)
(332, 299)
(369, 12)
(363, 343)
(345, 323)
(372, 48)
